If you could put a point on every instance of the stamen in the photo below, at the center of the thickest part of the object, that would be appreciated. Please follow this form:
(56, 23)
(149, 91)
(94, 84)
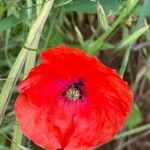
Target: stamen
(73, 94)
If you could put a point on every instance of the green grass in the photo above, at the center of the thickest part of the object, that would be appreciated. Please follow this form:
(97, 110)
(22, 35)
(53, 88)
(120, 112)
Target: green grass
(101, 28)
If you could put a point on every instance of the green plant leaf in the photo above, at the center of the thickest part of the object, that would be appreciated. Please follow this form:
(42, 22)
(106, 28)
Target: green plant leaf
(143, 11)
(135, 117)
(88, 6)
(12, 21)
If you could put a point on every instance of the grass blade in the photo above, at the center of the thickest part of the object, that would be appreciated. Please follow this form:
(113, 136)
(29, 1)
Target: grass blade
(132, 38)
(100, 41)
(139, 24)
(15, 71)
(17, 136)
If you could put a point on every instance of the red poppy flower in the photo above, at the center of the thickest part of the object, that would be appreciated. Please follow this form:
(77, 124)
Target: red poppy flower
(71, 101)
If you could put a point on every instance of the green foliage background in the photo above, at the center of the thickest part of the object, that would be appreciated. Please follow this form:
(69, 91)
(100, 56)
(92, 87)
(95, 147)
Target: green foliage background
(115, 31)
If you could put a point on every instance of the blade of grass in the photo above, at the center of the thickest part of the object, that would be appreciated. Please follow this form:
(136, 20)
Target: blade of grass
(123, 67)
(8, 33)
(79, 35)
(6, 47)
(143, 14)
(139, 24)
(100, 41)
(30, 61)
(102, 18)
(17, 136)
(32, 54)
(11, 80)
(132, 38)
(124, 62)
(15, 71)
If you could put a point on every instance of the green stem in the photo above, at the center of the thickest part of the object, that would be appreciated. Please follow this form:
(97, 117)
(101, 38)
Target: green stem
(17, 138)
(133, 131)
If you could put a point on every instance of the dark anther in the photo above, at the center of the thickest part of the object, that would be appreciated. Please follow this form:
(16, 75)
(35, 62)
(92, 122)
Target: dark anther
(78, 84)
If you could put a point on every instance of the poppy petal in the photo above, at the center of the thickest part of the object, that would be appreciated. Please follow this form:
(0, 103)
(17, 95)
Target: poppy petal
(71, 101)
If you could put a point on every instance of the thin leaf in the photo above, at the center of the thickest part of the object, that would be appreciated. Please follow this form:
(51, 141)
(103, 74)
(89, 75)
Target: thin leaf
(79, 36)
(133, 131)
(102, 17)
(132, 38)
(124, 62)
(17, 137)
